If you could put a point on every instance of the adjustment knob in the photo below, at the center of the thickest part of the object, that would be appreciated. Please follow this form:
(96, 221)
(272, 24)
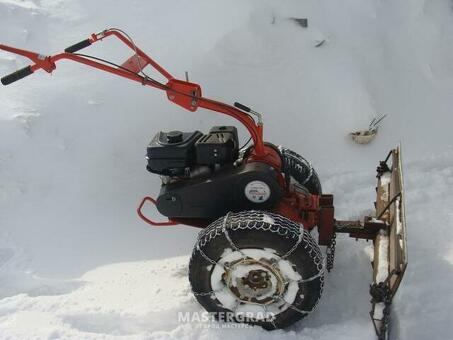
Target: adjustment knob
(174, 137)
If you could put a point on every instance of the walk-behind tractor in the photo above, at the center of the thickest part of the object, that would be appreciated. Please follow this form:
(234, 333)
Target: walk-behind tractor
(256, 257)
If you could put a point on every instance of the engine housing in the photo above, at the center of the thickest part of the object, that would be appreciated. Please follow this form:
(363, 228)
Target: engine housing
(249, 186)
(177, 153)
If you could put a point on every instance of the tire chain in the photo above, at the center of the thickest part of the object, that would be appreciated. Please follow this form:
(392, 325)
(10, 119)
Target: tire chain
(383, 332)
(381, 293)
(330, 252)
(293, 159)
(256, 220)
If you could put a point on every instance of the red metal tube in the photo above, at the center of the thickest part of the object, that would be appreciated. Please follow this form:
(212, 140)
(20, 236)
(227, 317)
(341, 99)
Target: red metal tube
(185, 94)
(149, 221)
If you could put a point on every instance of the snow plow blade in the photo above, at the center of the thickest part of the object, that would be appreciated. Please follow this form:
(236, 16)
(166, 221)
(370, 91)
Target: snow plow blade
(391, 210)
(387, 230)
(390, 244)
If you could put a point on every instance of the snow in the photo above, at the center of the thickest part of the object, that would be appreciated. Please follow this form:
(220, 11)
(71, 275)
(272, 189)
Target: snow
(399, 224)
(77, 263)
(386, 177)
(268, 219)
(383, 263)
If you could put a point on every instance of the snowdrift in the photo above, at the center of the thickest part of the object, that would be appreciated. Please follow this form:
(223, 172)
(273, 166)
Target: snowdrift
(75, 261)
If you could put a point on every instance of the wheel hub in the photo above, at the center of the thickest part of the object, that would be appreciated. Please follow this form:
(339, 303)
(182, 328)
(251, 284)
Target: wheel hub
(254, 281)
(257, 279)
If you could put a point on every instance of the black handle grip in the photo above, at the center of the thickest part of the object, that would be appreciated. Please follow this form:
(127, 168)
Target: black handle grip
(18, 75)
(242, 107)
(78, 46)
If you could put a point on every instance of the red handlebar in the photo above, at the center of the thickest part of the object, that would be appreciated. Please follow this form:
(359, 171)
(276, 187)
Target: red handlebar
(19, 74)
(183, 93)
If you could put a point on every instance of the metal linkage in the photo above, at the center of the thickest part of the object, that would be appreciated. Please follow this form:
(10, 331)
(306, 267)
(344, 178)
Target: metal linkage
(225, 226)
(314, 277)
(381, 294)
(290, 305)
(294, 247)
(330, 252)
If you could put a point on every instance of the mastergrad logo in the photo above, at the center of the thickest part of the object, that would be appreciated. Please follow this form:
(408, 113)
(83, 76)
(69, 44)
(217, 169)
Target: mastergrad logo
(224, 319)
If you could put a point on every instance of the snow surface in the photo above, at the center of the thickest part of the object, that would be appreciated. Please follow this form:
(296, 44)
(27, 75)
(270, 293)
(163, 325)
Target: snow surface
(77, 263)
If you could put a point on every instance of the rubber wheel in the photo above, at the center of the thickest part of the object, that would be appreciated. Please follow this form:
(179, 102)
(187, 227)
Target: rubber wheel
(235, 249)
(300, 170)
(297, 167)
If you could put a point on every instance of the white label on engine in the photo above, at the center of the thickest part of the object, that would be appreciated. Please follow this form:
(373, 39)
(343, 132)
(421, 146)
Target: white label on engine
(257, 191)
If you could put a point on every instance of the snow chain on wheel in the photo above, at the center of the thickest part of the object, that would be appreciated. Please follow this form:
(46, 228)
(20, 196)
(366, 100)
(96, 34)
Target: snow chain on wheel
(297, 167)
(258, 268)
(300, 170)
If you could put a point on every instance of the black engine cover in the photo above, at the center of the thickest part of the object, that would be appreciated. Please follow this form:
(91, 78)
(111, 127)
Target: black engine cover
(170, 153)
(219, 146)
(249, 186)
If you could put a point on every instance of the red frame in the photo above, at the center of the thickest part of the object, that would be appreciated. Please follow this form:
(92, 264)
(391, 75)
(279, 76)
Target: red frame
(146, 219)
(305, 209)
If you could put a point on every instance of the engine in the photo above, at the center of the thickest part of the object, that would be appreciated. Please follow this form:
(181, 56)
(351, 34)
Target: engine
(177, 153)
(203, 178)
